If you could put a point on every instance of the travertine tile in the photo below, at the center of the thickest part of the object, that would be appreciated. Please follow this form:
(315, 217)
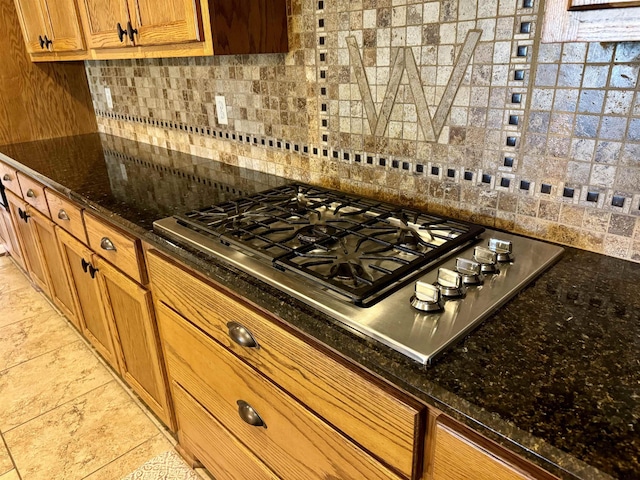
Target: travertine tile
(48, 381)
(79, 437)
(5, 460)
(21, 303)
(133, 459)
(11, 475)
(12, 278)
(26, 339)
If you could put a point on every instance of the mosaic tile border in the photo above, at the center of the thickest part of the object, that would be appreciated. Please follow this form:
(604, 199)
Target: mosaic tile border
(501, 181)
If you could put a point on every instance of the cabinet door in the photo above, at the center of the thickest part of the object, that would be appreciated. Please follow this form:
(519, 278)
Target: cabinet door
(77, 260)
(458, 458)
(44, 233)
(165, 21)
(64, 26)
(31, 253)
(101, 19)
(130, 310)
(12, 244)
(34, 23)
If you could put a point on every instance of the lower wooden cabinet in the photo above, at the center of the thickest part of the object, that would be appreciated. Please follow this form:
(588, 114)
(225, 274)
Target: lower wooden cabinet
(198, 430)
(468, 456)
(60, 288)
(77, 260)
(290, 439)
(377, 417)
(11, 241)
(129, 309)
(32, 256)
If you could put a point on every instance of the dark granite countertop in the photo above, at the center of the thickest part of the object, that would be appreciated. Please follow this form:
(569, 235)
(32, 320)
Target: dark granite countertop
(554, 375)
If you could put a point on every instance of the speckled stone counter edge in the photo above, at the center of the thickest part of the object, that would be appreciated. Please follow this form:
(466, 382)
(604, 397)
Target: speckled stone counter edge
(369, 354)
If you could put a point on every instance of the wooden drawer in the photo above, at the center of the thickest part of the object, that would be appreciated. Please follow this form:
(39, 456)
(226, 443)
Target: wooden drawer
(383, 421)
(9, 177)
(293, 442)
(198, 431)
(33, 194)
(66, 214)
(119, 248)
(458, 456)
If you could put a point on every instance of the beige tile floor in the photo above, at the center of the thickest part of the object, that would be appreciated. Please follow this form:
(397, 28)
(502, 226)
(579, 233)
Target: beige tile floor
(63, 414)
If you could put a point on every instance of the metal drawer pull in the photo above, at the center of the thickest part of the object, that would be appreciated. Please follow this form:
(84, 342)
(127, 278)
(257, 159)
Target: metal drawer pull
(107, 244)
(249, 415)
(6, 177)
(62, 215)
(31, 193)
(241, 335)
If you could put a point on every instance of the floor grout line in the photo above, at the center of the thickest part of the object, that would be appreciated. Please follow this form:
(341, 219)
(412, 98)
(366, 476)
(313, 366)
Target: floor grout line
(4, 432)
(13, 462)
(37, 356)
(160, 428)
(120, 456)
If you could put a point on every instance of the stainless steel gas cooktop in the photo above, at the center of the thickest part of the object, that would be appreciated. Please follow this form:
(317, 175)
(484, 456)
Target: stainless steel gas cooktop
(414, 281)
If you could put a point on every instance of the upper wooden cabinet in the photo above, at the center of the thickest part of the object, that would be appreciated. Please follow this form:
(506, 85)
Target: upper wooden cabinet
(50, 27)
(101, 19)
(585, 21)
(116, 23)
(113, 29)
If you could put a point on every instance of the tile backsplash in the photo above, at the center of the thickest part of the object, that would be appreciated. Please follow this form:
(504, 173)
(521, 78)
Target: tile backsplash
(454, 106)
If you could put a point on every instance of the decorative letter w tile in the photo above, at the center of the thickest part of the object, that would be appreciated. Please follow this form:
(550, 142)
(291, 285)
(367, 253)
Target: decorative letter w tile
(405, 61)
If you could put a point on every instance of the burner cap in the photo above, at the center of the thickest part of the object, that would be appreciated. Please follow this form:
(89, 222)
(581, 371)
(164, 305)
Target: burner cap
(346, 271)
(313, 233)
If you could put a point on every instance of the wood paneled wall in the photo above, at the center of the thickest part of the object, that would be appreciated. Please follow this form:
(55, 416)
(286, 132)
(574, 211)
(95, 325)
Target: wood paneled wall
(38, 101)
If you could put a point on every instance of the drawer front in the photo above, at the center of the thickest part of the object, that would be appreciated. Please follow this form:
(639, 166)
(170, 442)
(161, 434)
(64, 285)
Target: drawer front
(119, 248)
(385, 423)
(198, 431)
(456, 458)
(9, 178)
(292, 441)
(66, 214)
(33, 194)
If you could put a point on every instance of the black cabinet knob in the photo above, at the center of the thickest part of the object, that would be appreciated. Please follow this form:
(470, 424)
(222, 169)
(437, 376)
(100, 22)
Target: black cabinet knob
(42, 42)
(47, 42)
(85, 265)
(92, 271)
(131, 31)
(121, 33)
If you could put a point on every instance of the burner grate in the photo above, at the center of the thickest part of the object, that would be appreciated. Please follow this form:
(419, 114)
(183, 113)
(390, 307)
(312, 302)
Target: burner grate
(352, 245)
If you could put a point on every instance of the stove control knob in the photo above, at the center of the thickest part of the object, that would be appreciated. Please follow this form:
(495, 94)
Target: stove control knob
(470, 271)
(427, 298)
(486, 258)
(502, 249)
(450, 283)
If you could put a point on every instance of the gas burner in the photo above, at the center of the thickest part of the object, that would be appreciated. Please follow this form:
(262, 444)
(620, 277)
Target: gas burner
(315, 233)
(346, 271)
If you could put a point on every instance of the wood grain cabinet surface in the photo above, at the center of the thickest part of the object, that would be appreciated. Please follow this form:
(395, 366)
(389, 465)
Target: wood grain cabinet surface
(51, 27)
(59, 285)
(129, 309)
(66, 215)
(113, 29)
(383, 421)
(31, 254)
(77, 260)
(289, 439)
(9, 178)
(591, 21)
(11, 240)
